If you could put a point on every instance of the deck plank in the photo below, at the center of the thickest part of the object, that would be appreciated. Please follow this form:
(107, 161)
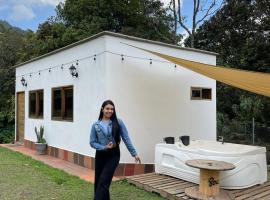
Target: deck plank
(174, 189)
(250, 190)
(260, 195)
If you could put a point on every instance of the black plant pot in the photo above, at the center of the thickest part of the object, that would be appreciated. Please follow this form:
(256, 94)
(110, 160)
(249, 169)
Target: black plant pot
(41, 148)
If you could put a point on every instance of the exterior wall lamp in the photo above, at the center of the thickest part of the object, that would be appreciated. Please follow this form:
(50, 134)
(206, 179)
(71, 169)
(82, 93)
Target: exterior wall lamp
(23, 81)
(73, 71)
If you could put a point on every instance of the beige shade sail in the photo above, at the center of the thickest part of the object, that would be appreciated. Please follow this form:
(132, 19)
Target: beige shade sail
(256, 82)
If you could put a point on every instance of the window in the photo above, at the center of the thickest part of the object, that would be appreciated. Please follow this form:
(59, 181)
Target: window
(62, 103)
(36, 104)
(206, 93)
(198, 93)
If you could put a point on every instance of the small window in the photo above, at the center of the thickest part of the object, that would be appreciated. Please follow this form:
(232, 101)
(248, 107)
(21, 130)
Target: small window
(62, 103)
(198, 93)
(36, 104)
(206, 93)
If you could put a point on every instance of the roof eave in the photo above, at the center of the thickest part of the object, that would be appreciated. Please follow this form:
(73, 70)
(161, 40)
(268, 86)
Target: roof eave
(115, 35)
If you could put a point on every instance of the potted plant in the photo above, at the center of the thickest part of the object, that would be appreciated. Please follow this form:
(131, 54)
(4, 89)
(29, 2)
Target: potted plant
(41, 142)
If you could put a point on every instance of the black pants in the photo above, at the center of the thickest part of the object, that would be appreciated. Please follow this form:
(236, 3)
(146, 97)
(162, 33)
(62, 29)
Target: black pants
(105, 165)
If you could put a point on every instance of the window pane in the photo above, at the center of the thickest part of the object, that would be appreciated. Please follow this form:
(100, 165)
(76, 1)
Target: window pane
(68, 103)
(196, 93)
(57, 103)
(32, 104)
(206, 93)
(40, 94)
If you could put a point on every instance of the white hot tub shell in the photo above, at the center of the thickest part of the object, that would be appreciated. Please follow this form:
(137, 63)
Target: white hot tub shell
(250, 162)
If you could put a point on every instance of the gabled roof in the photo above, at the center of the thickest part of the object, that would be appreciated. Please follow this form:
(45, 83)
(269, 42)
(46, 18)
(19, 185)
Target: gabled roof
(119, 35)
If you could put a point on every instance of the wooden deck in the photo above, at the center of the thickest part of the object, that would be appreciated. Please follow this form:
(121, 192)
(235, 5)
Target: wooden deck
(174, 189)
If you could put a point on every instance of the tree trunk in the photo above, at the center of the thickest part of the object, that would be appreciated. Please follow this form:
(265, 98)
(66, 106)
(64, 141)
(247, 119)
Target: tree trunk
(175, 21)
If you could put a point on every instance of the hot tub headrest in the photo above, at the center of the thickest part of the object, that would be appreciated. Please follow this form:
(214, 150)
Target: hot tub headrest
(169, 140)
(185, 139)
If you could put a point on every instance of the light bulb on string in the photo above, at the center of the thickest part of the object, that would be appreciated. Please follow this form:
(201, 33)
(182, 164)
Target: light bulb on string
(94, 57)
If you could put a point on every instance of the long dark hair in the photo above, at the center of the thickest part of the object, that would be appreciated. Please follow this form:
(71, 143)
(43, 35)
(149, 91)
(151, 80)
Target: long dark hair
(115, 125)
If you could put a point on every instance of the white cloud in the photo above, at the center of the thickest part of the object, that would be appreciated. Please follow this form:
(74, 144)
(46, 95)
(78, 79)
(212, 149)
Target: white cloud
(21, 13)
(25, 9)
(51, 2)
(167, 2)
(42, 2)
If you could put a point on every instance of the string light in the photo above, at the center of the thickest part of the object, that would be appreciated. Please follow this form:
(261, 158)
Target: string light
(95, 58)
(139, 58)
(175, 67)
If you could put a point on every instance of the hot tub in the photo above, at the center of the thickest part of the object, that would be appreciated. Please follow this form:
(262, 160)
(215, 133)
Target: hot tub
(250, 162)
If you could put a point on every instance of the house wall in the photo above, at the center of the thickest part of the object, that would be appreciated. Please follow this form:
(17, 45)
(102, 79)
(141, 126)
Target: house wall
(88, 91)
(154, 100)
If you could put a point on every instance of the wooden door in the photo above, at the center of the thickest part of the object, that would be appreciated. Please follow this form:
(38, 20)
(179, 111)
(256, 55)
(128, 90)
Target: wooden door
(20, 117)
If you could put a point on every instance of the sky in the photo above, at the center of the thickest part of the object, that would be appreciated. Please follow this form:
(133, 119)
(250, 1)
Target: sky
(28, 14)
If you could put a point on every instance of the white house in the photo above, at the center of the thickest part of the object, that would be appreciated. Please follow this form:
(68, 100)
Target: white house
(153, 97)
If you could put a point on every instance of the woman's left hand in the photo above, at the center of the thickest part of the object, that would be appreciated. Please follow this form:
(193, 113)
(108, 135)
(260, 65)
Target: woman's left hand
(137, 159)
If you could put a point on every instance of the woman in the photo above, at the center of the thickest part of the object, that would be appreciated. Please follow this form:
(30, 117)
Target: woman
(105, 138)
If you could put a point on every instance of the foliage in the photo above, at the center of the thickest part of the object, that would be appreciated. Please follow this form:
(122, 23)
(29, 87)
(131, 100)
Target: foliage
(240, 33)
(78, 19)
(10, 42)
(7, 134)
(40, 135)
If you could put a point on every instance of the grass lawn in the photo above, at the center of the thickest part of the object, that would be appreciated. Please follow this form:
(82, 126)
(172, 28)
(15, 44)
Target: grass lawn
(21, 177)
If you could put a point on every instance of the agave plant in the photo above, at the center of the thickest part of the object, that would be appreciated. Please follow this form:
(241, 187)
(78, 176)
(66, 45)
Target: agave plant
(40, 134)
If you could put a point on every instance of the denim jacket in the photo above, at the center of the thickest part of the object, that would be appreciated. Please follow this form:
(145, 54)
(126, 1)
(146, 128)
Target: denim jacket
(99, 139)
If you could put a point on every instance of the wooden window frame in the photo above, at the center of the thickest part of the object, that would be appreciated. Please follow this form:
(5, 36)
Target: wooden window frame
(62, 89)
(201, 91)
(36, 115)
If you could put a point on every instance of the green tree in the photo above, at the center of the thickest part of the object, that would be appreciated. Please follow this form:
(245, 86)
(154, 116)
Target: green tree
(240, 33)
(10, 42)
(142, 18)
(78, 19)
